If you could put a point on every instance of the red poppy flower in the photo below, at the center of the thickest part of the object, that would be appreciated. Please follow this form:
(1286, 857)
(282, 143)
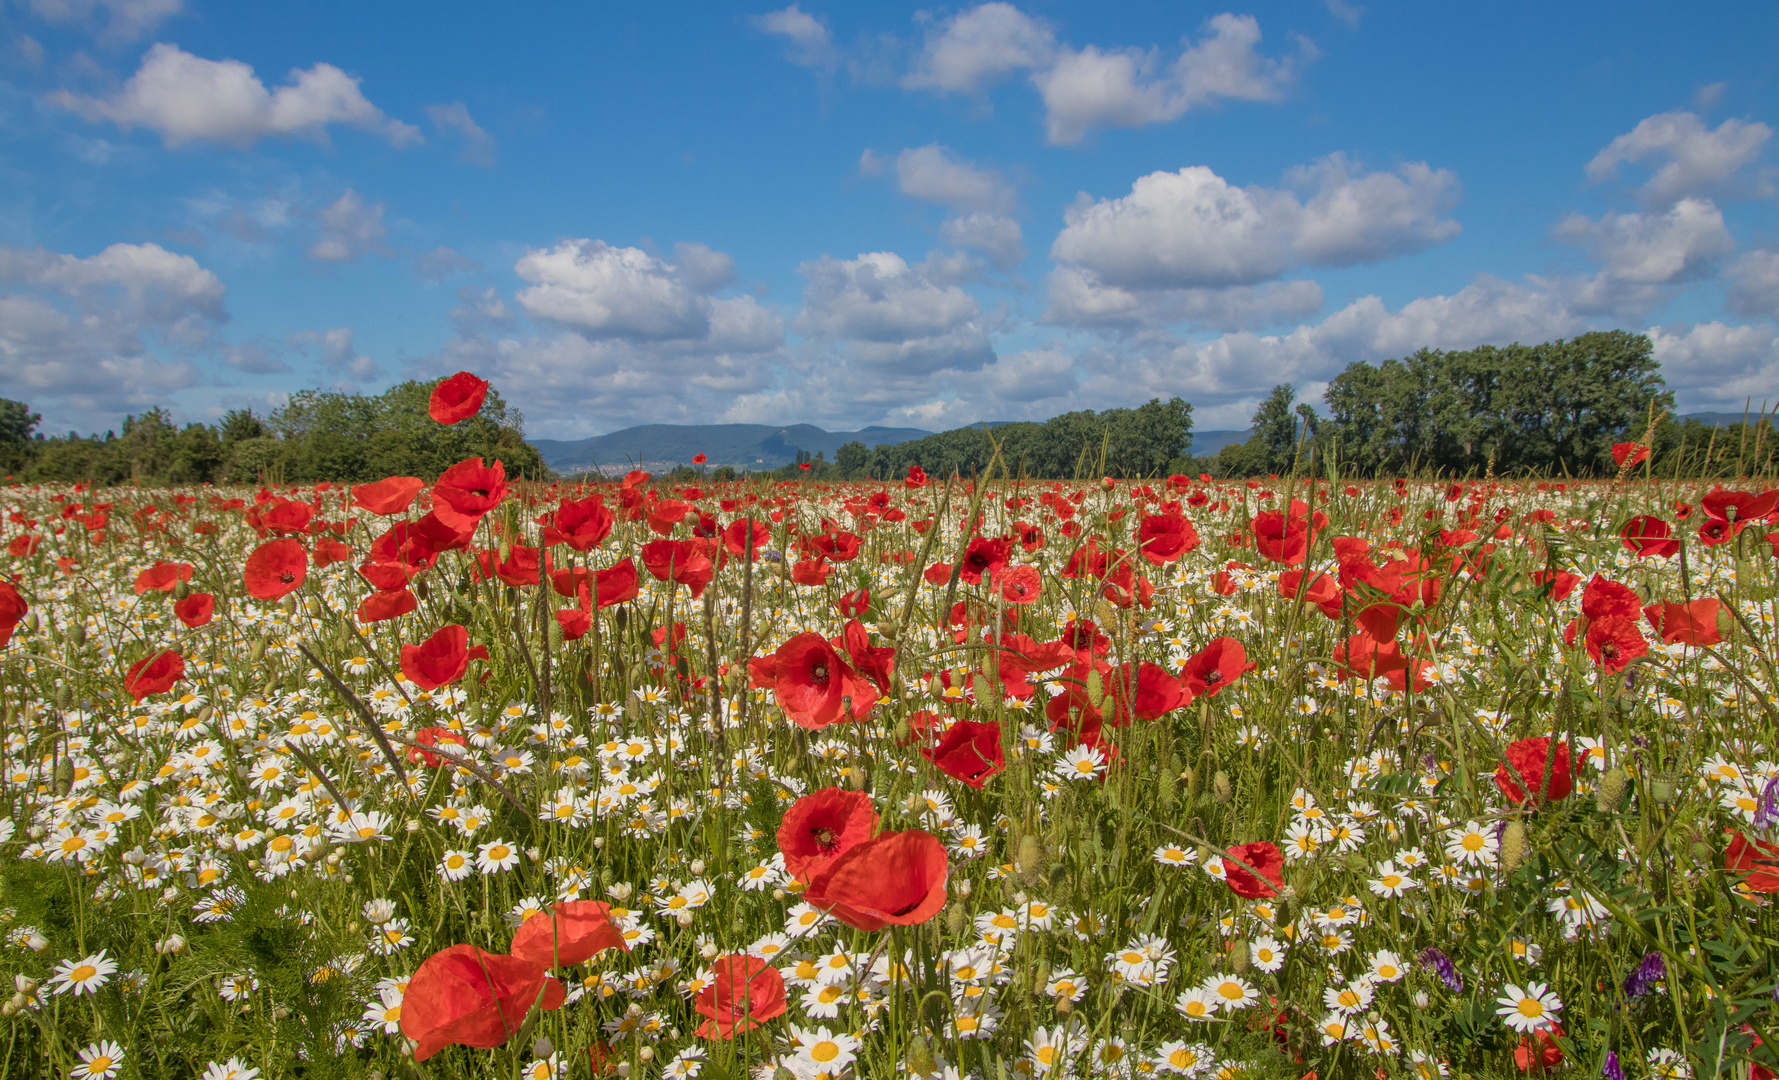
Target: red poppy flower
(462, 996)
(618, 584)
(1604, 597)
(380, 606)
(1615, 641)
(1155, 693)
(822, 826)
(154, 674)
(575, 623)
(1539, 1052)
(440, 660)
(1163, 538)
(1562, 583)
(811, 682)
(896, 879)
(736, 537)
(936, 573)
(467, 491)
(287, 517)
(1363, 656)
(1629, 454)
(969, 751)
(276, 569)
(699, 458)
(1690, 624)
(24, 545)
(1528, 758)
(574, 933)
(744, 992)
(434, 736)
(1281, 539)
(519, 568)
(1019, 584)
(1262, 855)
(853, 604)
(581, 525)
(329, 552)
(917, 477)
(12, 610)
(983, 557)
(457, 398)
(681, 561)
(810, 571)
(196, 609)
(874, 662)
(162, 577)
(388, 496)
(1739, 507)
(1213, 668)
(1647, 535)
(1322, 590)
(1756, 858)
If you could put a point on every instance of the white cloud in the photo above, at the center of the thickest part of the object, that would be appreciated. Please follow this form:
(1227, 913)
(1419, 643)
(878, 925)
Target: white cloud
(254, 358)
(1683, 243)
(894, 315)
(338, 353)
(1094, 88)
(934, 174)
(1345, 12)
(442, 263)
(1192, 229)
(1714, 365)
(187, 98)
(1000, 238)
(124, 21)
(808, 38)
(349, 229)
(1754, 284)
(605, 291)
(478, 145)
(703, 269)
(1696, 160)
(79, 336)
(1077, 298)
(975, 49)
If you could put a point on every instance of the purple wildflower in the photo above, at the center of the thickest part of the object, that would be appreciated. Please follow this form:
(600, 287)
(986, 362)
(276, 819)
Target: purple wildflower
(1443, 967)
(1766, 812)
(1643, 979)
(1612, 1070)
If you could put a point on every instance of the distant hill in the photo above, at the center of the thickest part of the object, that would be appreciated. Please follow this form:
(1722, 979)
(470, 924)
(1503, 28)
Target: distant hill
(745, 446)
(1722, 418)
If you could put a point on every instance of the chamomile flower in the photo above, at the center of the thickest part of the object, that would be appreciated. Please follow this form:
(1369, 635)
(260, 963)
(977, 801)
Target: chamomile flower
(1529, 1008)
(84, 976)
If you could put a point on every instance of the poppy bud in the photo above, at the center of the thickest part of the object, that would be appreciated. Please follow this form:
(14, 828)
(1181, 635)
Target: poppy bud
(31, 621)
(1662, 790)
(1702, 854)
(77, 632)
(956, 921)
(1221, 789)
(1096, 689)
(555, 633)
(1190, 778)
(1165, 790)
(422, 589)
(257, 651)
(181, 590)
(1611, 790)
(1104, 613)
(1513, 846)
(1030, 855)
(920, 1058)
(287, 605)
(64, 776)
(1239, 956)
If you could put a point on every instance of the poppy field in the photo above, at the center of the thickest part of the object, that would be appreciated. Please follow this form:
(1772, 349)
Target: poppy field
(954, 777)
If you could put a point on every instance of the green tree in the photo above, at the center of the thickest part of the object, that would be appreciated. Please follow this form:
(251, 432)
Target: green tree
(851, 459)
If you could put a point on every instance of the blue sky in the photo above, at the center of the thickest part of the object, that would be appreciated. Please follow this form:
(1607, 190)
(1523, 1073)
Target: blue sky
(856, 214)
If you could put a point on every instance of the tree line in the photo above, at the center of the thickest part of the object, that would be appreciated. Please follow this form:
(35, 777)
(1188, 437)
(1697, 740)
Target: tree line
(317, 435)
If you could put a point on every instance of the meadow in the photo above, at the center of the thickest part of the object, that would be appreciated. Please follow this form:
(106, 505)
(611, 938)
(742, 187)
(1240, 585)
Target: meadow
(939, 777)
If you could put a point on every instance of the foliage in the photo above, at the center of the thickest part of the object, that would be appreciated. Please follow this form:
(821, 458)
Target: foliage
(1141, 442)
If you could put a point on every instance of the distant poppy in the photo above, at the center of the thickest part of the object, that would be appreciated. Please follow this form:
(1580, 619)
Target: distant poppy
(154, 674)
(24, 545)
(575, 932)
(699, 458)
(681, 561)
(1627, 455)
(743, 993)
(1280, 538)
(440, 660)
(581, 525)
(162, 577)
(275, 569)
(983, 557)
(392, 495)
(810, 571)
(822, 826)
(1540, 1052)
(1756, 858)
(457, 398)
(969, 752)
(1154, 693)
(1215, 667)
(434, 736)
(196, 609)
(462, 996)
(1529, 759)
(380, 606)
(287, 517)
(917, 477)
(812, 682)
(853, 604)
(467, 491)
(1265, 857)
(894, 879)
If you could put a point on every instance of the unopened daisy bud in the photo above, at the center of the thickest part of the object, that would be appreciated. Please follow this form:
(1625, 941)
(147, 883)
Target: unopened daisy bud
(1421, 1000)
(24, 984)
(1611, 790)
(697, 867)
(647, 1053)
(963, 889)
(1064, 1006)
(920, 1059)
(171, 945)
(710, 950)
(684, 918)
(1513, 846)
(1221, 789)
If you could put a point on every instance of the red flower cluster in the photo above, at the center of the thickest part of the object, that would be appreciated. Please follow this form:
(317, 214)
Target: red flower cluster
(867, 882)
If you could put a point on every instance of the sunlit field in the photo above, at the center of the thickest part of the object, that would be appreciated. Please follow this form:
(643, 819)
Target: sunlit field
(942, 778)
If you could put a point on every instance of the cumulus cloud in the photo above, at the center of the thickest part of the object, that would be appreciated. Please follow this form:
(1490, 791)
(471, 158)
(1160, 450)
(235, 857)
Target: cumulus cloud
(934, 174)
(1000, 238)
(603, 291)
(78, 335)
(1147, 256)
(808, 43)
(337, 352)
(442, 263)
(254, 358)
(702, 268)
(187, 98)
(350, 228)
(1711, 364)
(974, 49)
(478, 145)
(1694, 160)
(116, 22)
(1754, 284)
(1077, 298)
(1684, 243)
(890, 314)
